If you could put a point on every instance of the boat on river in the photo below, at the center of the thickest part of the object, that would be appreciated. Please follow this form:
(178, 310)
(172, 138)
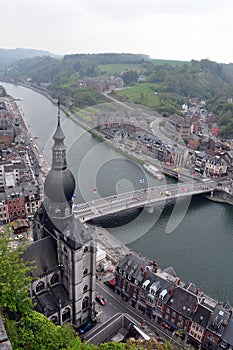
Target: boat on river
(153, 171)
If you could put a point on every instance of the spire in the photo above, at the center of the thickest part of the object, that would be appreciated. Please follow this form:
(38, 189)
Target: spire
(59, 150)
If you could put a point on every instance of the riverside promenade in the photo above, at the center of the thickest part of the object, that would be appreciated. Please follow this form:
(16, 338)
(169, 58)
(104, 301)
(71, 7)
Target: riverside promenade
(115, 249)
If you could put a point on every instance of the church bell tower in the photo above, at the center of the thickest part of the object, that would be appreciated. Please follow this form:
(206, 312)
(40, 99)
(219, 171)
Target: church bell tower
(73, 248)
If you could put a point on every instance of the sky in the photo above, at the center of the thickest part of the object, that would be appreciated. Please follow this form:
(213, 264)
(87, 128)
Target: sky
(162, 29)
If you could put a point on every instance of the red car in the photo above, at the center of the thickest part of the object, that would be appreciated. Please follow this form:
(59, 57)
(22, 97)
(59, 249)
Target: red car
(100, 299)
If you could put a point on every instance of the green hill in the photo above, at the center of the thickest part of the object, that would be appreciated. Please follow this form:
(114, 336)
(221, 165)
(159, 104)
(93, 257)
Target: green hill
(163, 85)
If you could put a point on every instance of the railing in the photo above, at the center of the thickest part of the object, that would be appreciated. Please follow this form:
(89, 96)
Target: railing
(140, 198)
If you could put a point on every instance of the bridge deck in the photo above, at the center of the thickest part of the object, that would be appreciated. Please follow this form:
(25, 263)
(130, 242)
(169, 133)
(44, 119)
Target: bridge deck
(140, 198)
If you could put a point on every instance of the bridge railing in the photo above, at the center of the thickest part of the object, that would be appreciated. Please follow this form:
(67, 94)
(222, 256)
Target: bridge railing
(118, 202)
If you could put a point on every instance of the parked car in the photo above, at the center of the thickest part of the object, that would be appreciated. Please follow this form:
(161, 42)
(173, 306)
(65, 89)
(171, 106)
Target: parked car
(86, 327)
(19, 237)
(100, 299)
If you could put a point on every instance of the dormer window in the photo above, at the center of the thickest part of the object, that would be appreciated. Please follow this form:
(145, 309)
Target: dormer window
(146, 284)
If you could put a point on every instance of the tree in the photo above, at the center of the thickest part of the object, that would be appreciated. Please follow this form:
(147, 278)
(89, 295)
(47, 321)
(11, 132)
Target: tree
(14, 277)
(35, 331)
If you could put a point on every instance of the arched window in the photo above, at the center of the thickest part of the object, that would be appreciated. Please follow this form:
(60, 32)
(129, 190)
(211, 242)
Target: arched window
(57, 210)
(67, 211)
(85, 288)
(54, 279)
(66, 314)
(85, 249)
(85, 303)
(40, 286)
(54, 319)
(85, 272)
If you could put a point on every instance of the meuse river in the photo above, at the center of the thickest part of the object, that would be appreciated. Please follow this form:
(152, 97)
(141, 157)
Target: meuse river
(194, 236)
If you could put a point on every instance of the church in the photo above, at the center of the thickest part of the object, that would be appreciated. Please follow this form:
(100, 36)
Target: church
(63, 249)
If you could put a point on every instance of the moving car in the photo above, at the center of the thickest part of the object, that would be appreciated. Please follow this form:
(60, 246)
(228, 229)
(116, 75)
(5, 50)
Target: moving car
(100, 299)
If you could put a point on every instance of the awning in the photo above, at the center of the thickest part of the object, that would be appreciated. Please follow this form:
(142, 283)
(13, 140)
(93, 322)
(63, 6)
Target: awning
(112, 282)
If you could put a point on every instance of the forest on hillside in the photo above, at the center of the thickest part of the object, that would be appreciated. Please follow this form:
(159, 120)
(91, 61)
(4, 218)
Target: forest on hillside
(165, 86)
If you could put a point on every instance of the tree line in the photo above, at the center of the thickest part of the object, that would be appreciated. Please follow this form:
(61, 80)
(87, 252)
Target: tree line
(175, 83)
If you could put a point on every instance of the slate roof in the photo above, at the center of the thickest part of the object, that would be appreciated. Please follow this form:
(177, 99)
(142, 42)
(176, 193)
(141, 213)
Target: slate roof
(183, 301)
(134, 265)
(228, 332)
(12, 166)
(71, 230)
(202, 316)
(218, 320)
(29, 188)
(140, 268)
(76, 234)
(48, 302)
(43, 255)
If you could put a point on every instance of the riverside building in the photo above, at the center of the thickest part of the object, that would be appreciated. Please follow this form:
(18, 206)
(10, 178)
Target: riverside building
(178, 308)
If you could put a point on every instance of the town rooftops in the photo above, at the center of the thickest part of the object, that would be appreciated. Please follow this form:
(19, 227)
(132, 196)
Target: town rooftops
(202, 316)
(218, 320)
(134, 266)
(183, 301)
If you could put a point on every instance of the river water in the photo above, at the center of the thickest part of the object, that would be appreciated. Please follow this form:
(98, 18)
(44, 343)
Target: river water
(195, 235)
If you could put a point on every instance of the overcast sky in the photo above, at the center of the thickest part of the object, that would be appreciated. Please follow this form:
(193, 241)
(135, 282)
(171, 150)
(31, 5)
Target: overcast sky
(163, 29)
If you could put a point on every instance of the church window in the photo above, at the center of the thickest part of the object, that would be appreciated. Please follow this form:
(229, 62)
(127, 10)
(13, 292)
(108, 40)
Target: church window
(66, 314)
(40, 286)
(54, 279)
(57, 210)
(85, 303)
(85, 272)
(64, 249)
(54, 319)
(67, 211)
(85, 288)
(85, 249)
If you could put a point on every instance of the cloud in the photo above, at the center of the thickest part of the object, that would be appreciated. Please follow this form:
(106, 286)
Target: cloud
(175, 29)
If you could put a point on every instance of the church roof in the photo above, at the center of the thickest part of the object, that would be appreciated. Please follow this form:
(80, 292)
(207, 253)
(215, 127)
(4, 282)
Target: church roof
(75, 235)
(59, 185)
(43, 255)
(48, 302)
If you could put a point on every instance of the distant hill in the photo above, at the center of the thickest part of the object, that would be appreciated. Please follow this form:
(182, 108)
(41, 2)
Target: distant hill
(162, 85)
(10, 56)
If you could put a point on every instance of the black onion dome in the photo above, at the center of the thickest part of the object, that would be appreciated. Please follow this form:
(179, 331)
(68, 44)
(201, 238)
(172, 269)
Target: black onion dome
(59, 185)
